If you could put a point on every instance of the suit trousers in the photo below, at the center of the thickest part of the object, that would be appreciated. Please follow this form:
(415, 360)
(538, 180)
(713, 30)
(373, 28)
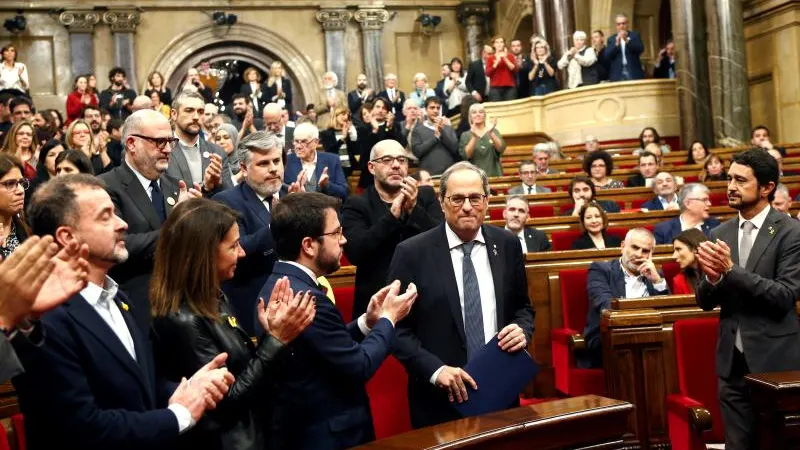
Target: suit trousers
(737, 411)
(502, 93)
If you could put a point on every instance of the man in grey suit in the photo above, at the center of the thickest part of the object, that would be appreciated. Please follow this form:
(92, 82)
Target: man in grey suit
(196, 160)
(433, 140)
(751, 269)
(527, 173)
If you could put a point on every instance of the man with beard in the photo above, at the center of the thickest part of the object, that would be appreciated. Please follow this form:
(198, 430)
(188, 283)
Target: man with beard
(433, 139)
(751, 269)
(516, 214)
(195, 160)
(333, 98)
(92, 382)
(382, 126)
(254, 198)
(93, 117)
(631, 276)
(357, 97)
(387, 213)
(273, 123)
(694, 205)
(143, 194)
(320, 398)
(523, 62)
(242, 116)
(117, 99)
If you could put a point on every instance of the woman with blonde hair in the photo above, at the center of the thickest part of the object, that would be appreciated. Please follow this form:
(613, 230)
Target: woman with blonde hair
(22, 143)
(341, 138)
(421, 90)
(279, 87)
(579, 62)
(254, 89)
(543, 68)
(79, 137)
(483, 144)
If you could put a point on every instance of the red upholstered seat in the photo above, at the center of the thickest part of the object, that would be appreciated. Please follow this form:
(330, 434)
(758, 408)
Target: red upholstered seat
(18, 422)
(569, 379)
(388, 399)
(695, 349)
(496, 213)
(670, 269)
(4, 444)
(691, 179)
(562, 240)
(345, 296)
(540, 211)
(719, 198)
(637, 204)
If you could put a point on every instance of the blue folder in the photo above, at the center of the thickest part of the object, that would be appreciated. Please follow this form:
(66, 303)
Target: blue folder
(500, 376)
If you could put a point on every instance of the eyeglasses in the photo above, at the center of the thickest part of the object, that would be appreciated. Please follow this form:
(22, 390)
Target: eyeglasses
(11, 185)
(303, 142)
(528, 173)
(702, 200)
(474, 199)
(622, 23)
(160, 143)
(337, 233)
(389, 160)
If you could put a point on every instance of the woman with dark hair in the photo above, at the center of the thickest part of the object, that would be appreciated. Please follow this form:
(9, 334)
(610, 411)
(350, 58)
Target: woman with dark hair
(79, 137)
(46, 166)
(193, 322)
(79, 98)
(464, 125)
(713, 170)
(22, 142)
(341, 137)
(73, 161)
(594, 223)
(58, 120)
(599, 165)
(155, 83)
(698, 153)
(649, 135)
(13, 230)
(685, 254)
(455, 87)
(13, 74)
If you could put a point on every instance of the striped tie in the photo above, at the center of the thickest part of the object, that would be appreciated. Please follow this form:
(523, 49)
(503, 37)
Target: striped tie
(473, 313)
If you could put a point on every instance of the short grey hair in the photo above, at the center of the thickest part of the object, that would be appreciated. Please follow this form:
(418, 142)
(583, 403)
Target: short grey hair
(541, 147)
(688, 190)
(463, 165)
(782, 189)
(259, 142)
(640, 230)
(579, 35)
(306, 130)
(333, 76)
(186, 95)
(511, 198)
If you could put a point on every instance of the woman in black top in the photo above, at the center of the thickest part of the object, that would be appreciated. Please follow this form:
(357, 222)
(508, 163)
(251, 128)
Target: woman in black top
(594, 223)
(543, 69)
(341, 138)
(13, 230)
(193, 322)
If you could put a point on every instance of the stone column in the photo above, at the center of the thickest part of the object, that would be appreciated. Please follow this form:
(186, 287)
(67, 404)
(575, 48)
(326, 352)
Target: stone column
(730, 96)
(372, 19)
(80, 24)
(474, 17)
(541, 9)
(694, 88)
(123, 26)
(334, 22)
(563, 20)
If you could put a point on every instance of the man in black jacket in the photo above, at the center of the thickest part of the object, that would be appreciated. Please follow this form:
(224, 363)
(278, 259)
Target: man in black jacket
(477, 82)
(389, 212)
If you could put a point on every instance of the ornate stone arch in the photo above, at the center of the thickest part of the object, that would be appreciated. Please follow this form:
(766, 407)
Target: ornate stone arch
(186, 46)
(510, 21)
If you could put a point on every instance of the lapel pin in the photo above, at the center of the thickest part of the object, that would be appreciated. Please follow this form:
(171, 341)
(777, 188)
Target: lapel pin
(171, 201)
(232, 322)
(771, 231)
(494, 249)
(206, 155)
(124, 306)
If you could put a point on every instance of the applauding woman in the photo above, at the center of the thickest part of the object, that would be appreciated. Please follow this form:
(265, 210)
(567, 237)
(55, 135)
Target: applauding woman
(13, 230)
(483, 144)
(155, 84)
(194, 322)
(341, 138)
(13, 74)
(542, 65)
(279, 88)
(79, 137)
(79, 98)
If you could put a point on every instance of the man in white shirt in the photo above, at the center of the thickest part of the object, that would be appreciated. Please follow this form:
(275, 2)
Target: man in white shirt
(665, 188)
(92, 382)
(273, 122)
(633, 275)
(695, 207)
(516, 214)
(395, 96)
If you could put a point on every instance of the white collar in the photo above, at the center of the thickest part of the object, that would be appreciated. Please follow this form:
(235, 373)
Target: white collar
(673, 199)
(314, 162)
(454, 241)
(142, 179)
(759, 218)
(626, 272)
(305, 269)
(521, 233)
(92, 292)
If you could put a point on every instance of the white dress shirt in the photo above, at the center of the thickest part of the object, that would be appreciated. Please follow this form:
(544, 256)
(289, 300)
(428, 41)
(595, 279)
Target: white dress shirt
(264, 201)
(665, 202)
(483, 271)
(521, 237)
(525, 188)
(635, 286)
(685, 226)
(144, 181)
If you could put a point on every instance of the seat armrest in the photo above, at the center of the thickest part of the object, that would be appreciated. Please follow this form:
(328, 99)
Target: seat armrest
(697, 416)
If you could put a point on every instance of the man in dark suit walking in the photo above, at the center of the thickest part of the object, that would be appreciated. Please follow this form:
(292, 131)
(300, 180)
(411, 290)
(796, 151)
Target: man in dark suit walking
(387, 213)
(143, 196)
(195, 160)
(623, 50)
(321, 400)
(253, 199)
(751, 270)
(694, 203)
(92, 383)
(472, 285)
(477, 82)
(516, 214)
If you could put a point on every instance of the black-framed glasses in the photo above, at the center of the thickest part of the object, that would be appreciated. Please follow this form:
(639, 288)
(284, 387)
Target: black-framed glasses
(11, 185)
(337, 233)
(474, 199)
(389, 160)
(160, 143)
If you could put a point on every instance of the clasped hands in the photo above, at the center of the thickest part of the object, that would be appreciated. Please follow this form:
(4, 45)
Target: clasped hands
(205, 388)
(714, 259)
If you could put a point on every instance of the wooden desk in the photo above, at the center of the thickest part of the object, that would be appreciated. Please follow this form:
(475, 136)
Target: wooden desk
(586, 422)
(776, 399)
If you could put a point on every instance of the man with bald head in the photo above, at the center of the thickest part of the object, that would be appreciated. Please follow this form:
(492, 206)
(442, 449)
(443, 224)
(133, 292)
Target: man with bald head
(141, 102)
(631, 276)
(143, 196)
(273, 123)
(390, 211)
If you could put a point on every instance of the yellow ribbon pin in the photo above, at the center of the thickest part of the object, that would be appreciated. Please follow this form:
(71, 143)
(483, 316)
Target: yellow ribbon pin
(232, 322)
(124, 306)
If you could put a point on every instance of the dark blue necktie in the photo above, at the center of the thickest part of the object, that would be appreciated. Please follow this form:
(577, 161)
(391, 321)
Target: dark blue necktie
(473, 313)
(158, 201)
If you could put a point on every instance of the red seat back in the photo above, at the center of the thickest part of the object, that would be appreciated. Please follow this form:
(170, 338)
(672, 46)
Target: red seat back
(719, 198)
(496, 213)
(345, 296)
(388, 399)
(18, 422)
(637, 204)
(562, 240)
(540, 211)
(4, 444)
(574, 299)
(670, 269)
(695, 351)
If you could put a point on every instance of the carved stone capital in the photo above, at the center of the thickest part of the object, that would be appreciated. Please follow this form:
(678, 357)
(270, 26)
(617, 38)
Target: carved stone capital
(79, 20)
(334, 19)
(372, 18)
(122, 20)
(473, 13)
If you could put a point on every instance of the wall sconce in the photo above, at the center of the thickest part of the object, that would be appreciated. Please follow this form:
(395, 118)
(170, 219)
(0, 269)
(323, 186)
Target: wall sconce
(221, 18)
(15, 25)
(428, 22)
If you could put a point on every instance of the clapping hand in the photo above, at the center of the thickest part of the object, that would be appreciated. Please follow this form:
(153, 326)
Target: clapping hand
(324, 179)
(300, 184)
(492, 125)
(714, 259)
(286, 315)
(186, 194)
(409, 191)
(213, 173)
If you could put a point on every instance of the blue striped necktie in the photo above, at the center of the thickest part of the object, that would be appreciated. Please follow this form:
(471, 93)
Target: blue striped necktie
(473, 313)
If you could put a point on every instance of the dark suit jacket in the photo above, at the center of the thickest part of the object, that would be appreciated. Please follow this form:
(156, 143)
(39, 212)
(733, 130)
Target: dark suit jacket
(327, 138)
(523, 84)
(82, 389)
(608, 205)
(433, 333)
(536, 240)
(271, 91)
(354, 102)
(337, 186)
(665, 232)
(758, 299)
(262, 99)
(633, 49)
(321, 400)
(605, 282)
(256, 240)
(476, 78)
(435, 154)
(372, 234)
(368, 139)
(663, 68)
(179, 168)
(144, 227)
(397, 106)
(654, 204)
(636, 181)
(584, 242)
